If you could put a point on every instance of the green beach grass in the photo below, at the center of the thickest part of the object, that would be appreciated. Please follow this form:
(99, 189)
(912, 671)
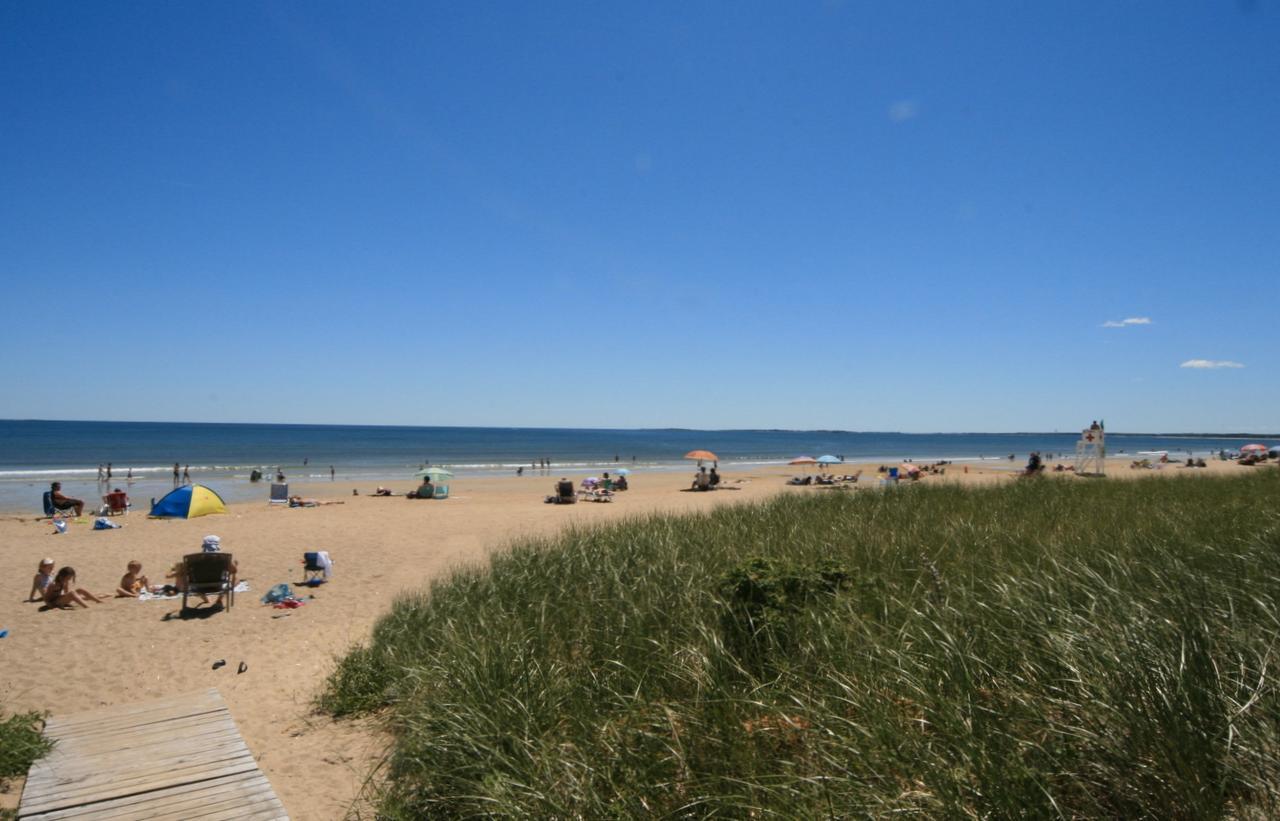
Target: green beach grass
(1045, 649)
(21, 744)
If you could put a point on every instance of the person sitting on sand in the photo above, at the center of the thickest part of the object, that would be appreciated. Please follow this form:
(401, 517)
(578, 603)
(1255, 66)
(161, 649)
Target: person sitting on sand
(61, 502)
(426, 491)
(62, 591)
(179, 575)
(132, 582)
(43, 577)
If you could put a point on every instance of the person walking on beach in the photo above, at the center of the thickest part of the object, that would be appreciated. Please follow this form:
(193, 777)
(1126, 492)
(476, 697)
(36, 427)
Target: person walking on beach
(100, 473)
(108, 471)
(129, 476)
(333, 476)
(176, 473)
(186, 475)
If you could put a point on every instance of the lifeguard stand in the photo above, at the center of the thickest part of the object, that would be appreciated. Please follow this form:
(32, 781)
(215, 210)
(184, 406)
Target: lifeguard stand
(1091, 452)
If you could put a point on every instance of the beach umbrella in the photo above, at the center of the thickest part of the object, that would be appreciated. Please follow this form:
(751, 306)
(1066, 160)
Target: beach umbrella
(188, 502)
(828, 459)
(803, 460)
(623, 471)
(591, 480)
(1253, 448)
(702, 456)
(435, 474)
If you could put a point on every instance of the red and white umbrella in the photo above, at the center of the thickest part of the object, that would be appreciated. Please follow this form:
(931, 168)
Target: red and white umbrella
(1249, 448)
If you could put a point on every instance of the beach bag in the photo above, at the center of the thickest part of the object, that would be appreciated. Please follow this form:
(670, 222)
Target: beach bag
(277, 594)
(103, 523)
(59, 526)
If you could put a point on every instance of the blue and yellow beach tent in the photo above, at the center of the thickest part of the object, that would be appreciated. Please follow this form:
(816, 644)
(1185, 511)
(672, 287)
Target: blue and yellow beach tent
(188, 502)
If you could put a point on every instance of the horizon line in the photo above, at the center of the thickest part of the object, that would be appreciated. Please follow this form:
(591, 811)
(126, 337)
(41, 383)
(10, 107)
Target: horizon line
(1188, 434)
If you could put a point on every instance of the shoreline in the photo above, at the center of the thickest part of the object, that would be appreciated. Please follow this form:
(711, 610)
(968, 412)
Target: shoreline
(20, 491)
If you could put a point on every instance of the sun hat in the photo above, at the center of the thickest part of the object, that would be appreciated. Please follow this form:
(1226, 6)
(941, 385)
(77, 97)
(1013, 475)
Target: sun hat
(211, 544)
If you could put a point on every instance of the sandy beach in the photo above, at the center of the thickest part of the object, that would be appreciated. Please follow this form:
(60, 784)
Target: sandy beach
(125, 650)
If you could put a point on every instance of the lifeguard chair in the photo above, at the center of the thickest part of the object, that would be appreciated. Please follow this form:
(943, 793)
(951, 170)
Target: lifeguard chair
(1091, 451)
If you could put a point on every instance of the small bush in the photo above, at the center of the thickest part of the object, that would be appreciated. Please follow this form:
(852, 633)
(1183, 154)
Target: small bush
(21, 743)
(763, 599)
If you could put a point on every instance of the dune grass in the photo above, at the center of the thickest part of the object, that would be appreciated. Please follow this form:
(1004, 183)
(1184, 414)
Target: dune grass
(21, 743)
(1051, 648)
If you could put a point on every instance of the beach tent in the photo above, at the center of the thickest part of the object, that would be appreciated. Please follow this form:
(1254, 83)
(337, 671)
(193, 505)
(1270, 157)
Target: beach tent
(188, 502)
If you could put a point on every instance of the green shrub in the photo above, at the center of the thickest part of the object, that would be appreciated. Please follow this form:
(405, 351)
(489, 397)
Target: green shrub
(21, 743)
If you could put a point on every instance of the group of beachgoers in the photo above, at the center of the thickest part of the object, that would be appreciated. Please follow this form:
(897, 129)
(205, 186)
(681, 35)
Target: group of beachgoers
(60, 590)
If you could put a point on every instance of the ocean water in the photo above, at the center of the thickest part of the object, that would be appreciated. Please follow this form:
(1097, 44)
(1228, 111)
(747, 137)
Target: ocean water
(34, 453)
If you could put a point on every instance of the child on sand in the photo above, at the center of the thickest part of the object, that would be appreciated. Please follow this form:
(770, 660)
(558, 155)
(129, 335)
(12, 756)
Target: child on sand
(132, 582)
(62, 591)
(42, 580)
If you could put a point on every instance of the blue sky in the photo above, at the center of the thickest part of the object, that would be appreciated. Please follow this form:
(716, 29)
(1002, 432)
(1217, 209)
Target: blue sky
(887, 216)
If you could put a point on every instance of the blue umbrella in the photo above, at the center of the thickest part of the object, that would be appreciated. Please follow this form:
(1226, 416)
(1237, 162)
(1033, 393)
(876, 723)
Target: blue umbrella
(623, 471)
(828, 459)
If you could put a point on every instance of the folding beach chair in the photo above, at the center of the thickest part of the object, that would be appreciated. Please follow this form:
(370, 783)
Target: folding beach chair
(565, 494)
(49, 510)
(279, 494)
(116, 503)
(208, 573)
(313, 568)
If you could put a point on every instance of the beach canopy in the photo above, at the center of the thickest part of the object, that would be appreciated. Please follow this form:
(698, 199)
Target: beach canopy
(702, 456)
(828, 459)
(188, 502)
(803, 460)
(435, 474)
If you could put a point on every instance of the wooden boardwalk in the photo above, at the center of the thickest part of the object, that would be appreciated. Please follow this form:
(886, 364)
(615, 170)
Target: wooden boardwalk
(173, 758)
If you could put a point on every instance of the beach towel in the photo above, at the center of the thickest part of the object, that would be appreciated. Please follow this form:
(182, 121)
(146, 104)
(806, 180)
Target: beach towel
(103, 523)
(277, 594)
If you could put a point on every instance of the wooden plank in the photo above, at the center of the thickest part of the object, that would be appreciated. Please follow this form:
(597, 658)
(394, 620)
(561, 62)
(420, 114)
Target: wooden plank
(159, 801)
(179, 734)
(201, 700)
(80, 772)
(243, 794)
(169, 797)
(175, 739)
(103, 792)
(116, 785)
(132, 720)
(176, 758)
(115, 755)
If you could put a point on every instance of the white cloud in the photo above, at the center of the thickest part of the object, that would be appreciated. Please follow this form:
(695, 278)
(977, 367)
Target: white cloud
(1210, 363)
(1124, 323)
(904, 110)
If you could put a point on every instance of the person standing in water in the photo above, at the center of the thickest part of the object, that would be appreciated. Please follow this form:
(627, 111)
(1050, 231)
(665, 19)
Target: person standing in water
(176, 473)
(332, 474)
(186, 475)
